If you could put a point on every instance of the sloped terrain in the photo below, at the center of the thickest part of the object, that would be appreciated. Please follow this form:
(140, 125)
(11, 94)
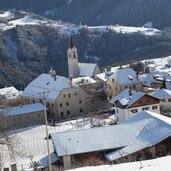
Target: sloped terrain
(99, 12)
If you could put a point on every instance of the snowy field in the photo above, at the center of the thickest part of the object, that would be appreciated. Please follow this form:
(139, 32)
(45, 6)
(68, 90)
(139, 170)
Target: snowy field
(32, 143)
(160, 164)
(6, 14)
(71, 28)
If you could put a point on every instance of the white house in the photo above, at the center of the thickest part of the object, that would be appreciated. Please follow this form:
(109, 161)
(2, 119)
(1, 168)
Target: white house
(129, 103)
(165, 98)
(9, 93)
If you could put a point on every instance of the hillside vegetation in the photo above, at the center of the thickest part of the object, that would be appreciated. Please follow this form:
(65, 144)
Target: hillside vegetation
(39, 47)
(99, 12)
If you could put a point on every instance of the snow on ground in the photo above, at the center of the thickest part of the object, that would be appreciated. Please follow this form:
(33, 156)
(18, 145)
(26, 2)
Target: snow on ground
(6, 14)
(71, 28)
(130, 30)
(26, 20)
(31, 142)
(159, 164)
(161, 65)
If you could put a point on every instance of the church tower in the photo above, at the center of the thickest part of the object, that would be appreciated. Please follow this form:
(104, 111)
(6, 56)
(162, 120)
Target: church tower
(73, 68)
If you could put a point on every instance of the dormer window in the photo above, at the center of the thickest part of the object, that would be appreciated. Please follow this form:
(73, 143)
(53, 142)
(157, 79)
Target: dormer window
(74, 55)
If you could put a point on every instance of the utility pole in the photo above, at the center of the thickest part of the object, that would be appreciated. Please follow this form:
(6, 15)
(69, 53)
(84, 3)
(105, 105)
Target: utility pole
(44, 95)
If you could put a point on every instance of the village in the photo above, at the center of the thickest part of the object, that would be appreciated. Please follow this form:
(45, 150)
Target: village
(92, 117)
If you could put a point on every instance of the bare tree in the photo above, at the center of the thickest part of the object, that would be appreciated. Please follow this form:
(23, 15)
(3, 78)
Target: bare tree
(8, 140)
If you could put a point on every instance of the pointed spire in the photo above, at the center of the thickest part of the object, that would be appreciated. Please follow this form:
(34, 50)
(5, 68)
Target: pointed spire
(71, 43)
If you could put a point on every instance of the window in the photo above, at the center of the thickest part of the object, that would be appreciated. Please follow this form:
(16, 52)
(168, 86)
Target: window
(75, 94)
(81, 110)
(113, 80)
(60, 104)
(14, 119)
(134, 86)
(27, 116)
(74, 55)
(62, 114)
(68, 112)
(69, 95)
(33, 101)
(145, 108)
(19, 118)
(52, 105)
(80, 101)
(53, 114)
(38, 114)
(64, 95)
(134, 110)
(48, 104)
(67, 103)
(154, 107)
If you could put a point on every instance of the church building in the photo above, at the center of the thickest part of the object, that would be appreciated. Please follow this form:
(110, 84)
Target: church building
(77, 69)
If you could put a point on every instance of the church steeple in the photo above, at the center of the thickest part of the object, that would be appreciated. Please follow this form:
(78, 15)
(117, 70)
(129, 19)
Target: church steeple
(72, 53)
(71, 42)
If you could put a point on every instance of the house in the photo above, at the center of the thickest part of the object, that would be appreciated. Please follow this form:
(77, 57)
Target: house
(129, 103)
(165, 98)
(122, 79)
(155, 80)
(9, 93)
(77, 69)
(102, 78)
(22, 116)
(147, 133)
(64, 98)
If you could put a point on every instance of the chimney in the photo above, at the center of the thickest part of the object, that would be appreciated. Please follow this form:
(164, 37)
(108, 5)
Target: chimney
(137, 74)
(129, 92)
(70, 78)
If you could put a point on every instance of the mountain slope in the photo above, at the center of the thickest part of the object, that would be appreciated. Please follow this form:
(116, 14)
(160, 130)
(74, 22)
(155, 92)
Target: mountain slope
(99, 12)
(33, 44)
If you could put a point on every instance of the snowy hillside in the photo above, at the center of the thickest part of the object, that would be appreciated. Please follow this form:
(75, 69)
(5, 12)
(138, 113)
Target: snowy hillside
(160, 164)
(68, 28)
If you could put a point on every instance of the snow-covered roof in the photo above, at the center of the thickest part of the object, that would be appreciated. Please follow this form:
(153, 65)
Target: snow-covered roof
(87, 69)
(144, 130)
(82, 81)
(104, 76)
(125, 76)
(127, 97)
(94, 139)
(162, 94)
(23, 109)
(8, 90)
(157, 128)
(157, 77)
(45, 82)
